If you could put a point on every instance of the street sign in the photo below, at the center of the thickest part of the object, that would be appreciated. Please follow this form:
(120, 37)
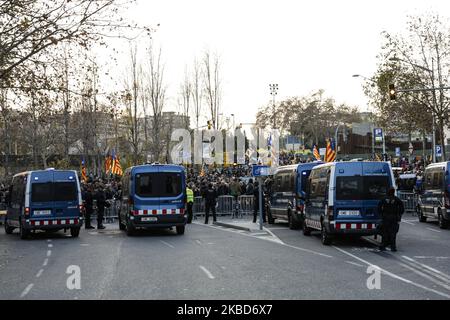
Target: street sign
(259, 171)
(397, 152)
(411, 148)
(378, 134)
(438, 151)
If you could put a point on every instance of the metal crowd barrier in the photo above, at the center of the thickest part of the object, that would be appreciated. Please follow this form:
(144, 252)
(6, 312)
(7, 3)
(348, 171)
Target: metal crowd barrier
(409, 200)
(246, 204)
(112, 212)
(226, 205)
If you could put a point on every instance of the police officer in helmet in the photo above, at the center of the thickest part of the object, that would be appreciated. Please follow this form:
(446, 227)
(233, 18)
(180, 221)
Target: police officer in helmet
(391, 210)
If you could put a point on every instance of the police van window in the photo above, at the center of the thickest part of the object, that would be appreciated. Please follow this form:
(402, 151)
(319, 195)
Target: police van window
(304, 179)
(65, 191)
(375, 187)
(164, 184)
(438, 179)
(347, 188)
(41, 192)
(428, 180)
(278, 182)
(144, 185)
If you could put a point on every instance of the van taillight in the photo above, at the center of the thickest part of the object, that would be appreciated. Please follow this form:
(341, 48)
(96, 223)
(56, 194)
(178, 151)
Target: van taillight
(330, 213)
(27, 211)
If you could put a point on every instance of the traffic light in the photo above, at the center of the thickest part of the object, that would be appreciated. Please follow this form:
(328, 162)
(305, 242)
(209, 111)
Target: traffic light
(209, 124)
(392, 93)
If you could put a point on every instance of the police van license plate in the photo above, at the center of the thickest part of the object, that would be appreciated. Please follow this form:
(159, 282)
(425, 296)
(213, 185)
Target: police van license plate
(349, 212)
(149, 219)
(42, 212)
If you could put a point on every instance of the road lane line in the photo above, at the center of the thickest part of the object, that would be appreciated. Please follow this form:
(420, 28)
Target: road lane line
(27, 289)
(50, 246)
(167, 244)
(439, 283)
(45, 262)
(435, 272)
(209, 274)
(49, 240)
(355, 264)
(39, 273)
(407, 222)
(394, 275)
(306, 250)
(49, 253)
(433, 230)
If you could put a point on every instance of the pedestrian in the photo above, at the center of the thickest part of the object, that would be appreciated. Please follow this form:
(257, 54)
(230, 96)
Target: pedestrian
(189, 202)
(256, 203)
(101, 203)
(250, 188)
(88, 206)
(391, 210)
(210, 197)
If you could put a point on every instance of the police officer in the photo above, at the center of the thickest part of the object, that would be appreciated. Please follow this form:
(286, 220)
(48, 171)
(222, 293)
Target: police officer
(101, 202)
(189, 202)
(391, 210)
(210, 196)
(89, 206)
(256, 203)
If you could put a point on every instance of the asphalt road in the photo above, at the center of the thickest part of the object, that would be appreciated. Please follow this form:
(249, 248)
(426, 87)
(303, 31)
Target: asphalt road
(212, 262)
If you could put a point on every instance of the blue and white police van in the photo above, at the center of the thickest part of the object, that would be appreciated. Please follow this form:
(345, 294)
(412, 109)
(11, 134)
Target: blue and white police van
(343, 197)
(288, 193)
(434, 194)
(47, 200)
(153, 196)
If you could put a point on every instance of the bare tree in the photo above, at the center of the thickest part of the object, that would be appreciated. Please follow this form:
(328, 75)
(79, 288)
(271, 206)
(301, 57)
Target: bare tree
(212, 85)
(196, 91)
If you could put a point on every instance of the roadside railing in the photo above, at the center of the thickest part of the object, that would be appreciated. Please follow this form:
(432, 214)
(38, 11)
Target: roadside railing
(226, 205)
(409, 199)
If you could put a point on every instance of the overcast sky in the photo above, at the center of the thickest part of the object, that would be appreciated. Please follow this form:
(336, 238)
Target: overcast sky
(300, 45)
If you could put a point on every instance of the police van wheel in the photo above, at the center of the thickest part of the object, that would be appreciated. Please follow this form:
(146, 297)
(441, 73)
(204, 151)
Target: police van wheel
(74, 232)
(422, 218)
(443, 224)
(306, 229)
(130, 230)
(325, 237)
(121, 225)
(180, 230)
(293, 224)
(23, 232)
(8, 228)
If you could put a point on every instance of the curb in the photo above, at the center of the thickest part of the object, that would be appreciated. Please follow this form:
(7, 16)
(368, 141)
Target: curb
(234, 226)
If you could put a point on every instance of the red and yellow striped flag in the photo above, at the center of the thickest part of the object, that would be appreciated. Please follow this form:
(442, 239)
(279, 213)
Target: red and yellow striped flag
(316, 153)
(330, 154)
(83, 172)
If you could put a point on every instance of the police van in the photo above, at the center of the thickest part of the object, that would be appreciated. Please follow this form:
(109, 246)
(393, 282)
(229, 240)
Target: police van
(47, 200)
(343, 197)
(153, 196)
(434, 194)
(288, 193)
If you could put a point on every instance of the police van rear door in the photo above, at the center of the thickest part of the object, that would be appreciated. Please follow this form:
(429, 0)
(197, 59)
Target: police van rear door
(65, 194)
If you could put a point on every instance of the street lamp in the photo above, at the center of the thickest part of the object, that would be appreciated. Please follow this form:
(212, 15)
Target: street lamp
(273, 91)
(431, 71)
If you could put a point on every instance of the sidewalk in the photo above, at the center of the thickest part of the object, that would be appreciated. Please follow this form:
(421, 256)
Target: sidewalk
(245, 223)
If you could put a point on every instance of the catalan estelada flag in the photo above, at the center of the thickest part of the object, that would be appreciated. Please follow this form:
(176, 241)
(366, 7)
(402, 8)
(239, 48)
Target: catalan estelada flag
(330, 154)
(108, 162)
(316, 153)
(83, 172)
(116, 168)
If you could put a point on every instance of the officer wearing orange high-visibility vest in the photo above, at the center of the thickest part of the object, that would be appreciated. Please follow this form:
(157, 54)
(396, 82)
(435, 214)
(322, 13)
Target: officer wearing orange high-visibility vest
(189, 202)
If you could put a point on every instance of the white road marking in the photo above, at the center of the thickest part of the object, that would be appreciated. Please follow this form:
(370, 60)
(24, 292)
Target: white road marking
(49, 240)
(259, 234)
(167, 244)
(209, 274)
(278, 228)
(45, 262)
(433, 230)
(307, 250)
(49, 253)
(50, 246)
(407, 222)
(85, 244)
(435, 272)
(430, 257)
(198, 242)
(39, 273)
(394, 275)
(27, 289)
(354, 263)
(439, 283)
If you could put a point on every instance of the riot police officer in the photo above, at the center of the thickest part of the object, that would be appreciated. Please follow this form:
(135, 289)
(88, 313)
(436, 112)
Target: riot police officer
(89, 206)
(391, 210)
(189, 202)
(101, 203)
